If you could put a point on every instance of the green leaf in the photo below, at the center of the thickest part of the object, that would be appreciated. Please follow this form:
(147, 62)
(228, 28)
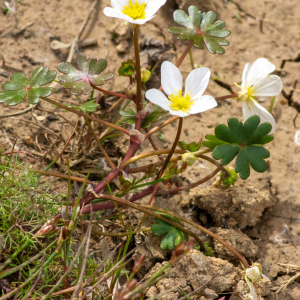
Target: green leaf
(226, 152)
(244, 141)
(192, 147)
(213, 141)
(173, 235)
(155, 116)
(19, 87)
(79, 80)
(128, 120)
(12, 97)
(127, 68)
(127, 113)
(89, 106)
(34, 94)
(202, 28)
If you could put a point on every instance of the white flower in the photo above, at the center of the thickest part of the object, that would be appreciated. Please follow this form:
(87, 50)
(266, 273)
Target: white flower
(134, 11)
(253, 275)
(192, 102)
(257, 82)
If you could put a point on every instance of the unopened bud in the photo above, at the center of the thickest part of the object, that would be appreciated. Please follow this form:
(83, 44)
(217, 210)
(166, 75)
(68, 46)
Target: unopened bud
(138, 263)
(182, 249)
(182, 168)
(189, 158)
(145, 75)
(131, 90)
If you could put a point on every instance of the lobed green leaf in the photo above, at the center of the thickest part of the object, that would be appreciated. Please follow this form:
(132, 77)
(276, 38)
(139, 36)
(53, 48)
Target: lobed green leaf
(244, 141)
(201, 28)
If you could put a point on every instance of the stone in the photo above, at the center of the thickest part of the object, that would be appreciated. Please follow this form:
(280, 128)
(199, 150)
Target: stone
(238, 240)
(191, 272)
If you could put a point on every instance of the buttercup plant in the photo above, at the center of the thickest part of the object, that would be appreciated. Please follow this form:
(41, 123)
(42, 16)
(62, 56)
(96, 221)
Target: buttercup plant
(243, 140)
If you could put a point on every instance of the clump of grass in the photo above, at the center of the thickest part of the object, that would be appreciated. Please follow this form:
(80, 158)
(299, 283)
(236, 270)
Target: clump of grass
(25, 205)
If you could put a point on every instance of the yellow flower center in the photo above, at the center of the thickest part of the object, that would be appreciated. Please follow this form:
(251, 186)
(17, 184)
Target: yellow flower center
(180, 102)
(135, 11)
(246, 94)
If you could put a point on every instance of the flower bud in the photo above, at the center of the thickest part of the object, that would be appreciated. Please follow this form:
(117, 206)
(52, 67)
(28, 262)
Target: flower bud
(138, 263)
(182, 249)
(189, 158)
(145, 75)
(253, 274)
(131, 90)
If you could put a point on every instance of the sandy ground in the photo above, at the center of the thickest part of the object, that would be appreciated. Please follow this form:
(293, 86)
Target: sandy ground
(267, 29)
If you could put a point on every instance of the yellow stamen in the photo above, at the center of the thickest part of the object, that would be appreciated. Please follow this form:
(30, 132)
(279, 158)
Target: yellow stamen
(246, 94)
(180, 102)
(135, 11)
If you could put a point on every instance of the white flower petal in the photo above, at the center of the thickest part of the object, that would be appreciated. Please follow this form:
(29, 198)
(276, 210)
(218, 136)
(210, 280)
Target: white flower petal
(245, 72)
(265, 277)
(115, 13)
(269, 86)
(251, 108)
(197, 82)
(157, 97)
(252, 289)
(171, 78)
(119, 4)
(178, 113)
(202, 104)
(258, 71)
(153, 6)
(140, 21)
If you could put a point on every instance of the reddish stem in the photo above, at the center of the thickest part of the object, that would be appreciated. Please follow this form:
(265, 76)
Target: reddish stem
(109, 92)
(226, 97)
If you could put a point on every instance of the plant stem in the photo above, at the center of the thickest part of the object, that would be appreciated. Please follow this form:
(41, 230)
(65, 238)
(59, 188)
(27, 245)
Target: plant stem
(148, 212)
(160, 126)
(121, 234)
(203, 229)
(53, 162)
(184, 54)
(139, 104)
(99, 143)
(147, 154)
(272, 104)
(86, 116)
(48, 173)
(192, 59)
(52, 256)
(31, 260)
(172, 149)
(226, 97)
(145, 168)
(192, 185)
(109, 92)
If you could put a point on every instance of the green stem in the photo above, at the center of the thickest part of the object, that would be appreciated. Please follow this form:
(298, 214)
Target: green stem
(139, 105)
(272, 104)
(52, 256)
(15, 269)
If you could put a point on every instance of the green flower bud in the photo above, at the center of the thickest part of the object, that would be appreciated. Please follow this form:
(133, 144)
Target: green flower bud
(131, 90)
(229, 178)
(189, 158)
(145, 74)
